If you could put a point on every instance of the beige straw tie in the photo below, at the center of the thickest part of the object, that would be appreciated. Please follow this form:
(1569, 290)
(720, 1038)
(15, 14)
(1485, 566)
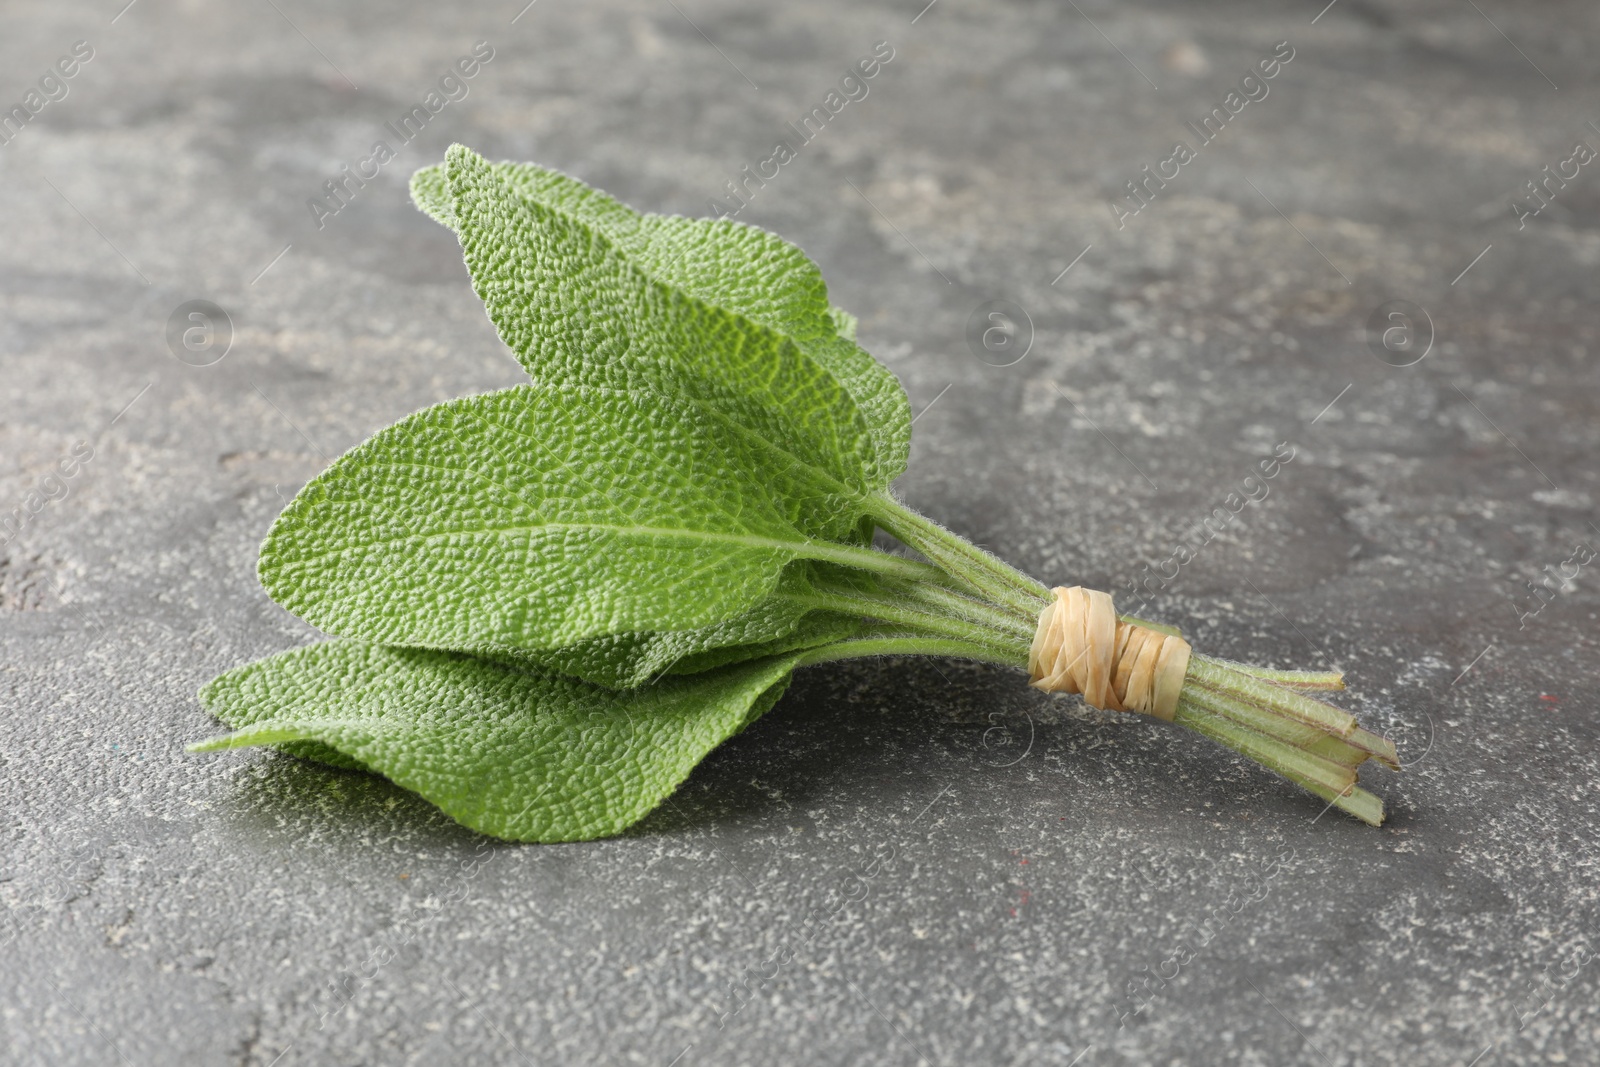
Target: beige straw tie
(1082, 647)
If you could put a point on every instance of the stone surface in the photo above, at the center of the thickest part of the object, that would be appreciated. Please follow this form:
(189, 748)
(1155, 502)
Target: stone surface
(1028, 860)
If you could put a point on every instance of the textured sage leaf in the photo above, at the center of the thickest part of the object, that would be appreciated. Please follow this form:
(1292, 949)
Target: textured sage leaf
(727, 264)
(780, 622)
(625, 661)
(845, 324)
(519, 754)
(538, 517)
(577, 306)
(317, 752)
(817, 628)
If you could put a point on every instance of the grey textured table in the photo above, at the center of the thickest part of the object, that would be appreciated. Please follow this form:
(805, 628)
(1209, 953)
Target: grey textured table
(906, 861)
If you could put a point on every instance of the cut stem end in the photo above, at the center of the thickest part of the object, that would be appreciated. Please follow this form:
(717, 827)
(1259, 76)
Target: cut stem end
(1315, 745)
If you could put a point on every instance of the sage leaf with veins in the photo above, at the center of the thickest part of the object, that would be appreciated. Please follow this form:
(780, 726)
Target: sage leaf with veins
(576, 308)
(786, 620)
(524, 755)
(538, 517)
(738, 268)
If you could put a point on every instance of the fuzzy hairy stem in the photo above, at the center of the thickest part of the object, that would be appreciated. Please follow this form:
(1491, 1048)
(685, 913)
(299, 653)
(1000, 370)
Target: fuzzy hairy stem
(986, 575)
(903, 611)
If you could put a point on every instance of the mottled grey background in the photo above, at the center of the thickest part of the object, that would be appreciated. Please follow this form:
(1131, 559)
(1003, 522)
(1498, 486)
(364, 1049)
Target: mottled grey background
(163, 908)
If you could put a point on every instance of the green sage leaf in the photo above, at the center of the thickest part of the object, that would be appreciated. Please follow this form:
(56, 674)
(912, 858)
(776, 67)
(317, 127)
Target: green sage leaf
(846, 323)
(539, 517)
(816, 629)
(781, 622)
(584, 289)
(518, 754)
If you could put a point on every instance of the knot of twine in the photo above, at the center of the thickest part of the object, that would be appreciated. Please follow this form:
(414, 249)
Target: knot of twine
(1082, 647)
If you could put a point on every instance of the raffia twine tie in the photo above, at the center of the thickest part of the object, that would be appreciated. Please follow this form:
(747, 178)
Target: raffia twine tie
(1082, 647)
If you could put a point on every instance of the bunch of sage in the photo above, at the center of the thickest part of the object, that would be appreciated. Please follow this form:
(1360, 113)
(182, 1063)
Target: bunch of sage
(550, 602)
